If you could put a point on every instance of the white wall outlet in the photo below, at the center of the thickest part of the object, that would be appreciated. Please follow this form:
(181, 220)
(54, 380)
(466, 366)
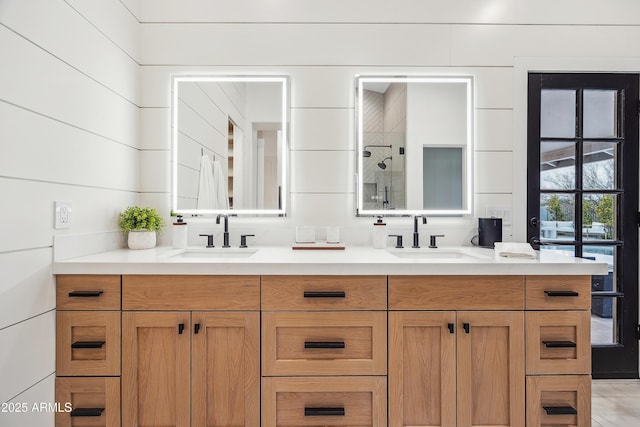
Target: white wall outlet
(63, 214)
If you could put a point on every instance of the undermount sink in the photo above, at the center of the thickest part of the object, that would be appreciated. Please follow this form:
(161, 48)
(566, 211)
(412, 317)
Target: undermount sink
(215, 253)
(427, 253)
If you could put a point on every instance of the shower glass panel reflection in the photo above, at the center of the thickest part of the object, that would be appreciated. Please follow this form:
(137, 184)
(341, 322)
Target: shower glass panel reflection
(384, 146)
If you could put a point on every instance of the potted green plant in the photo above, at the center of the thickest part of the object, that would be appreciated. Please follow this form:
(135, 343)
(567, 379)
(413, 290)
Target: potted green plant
(141, 224)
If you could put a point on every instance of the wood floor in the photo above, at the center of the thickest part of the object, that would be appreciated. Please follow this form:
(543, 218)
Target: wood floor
(616, 403)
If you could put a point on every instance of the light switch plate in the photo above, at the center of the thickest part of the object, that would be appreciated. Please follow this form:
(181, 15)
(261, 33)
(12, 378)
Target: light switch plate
(63, 216)
(503, 212)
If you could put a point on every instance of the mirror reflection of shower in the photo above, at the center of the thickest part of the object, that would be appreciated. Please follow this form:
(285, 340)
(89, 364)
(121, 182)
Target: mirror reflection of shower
(383, 146)
(382, 165)
(379, 166)
(367, 153)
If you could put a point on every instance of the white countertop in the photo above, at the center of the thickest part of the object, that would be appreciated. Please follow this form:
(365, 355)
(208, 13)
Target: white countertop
(352, 260)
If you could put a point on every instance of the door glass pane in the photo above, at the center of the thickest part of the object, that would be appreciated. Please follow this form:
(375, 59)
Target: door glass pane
(599, 165)
(599, 216)
(557, 113)
(557, 165)
(603, 310)
(600, 113)
(603, 313)
(557, 216)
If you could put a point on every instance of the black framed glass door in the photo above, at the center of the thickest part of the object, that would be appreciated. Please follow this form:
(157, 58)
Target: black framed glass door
(582, 200)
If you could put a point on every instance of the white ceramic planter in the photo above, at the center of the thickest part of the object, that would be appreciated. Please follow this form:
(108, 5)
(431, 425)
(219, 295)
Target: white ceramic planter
(141, 239)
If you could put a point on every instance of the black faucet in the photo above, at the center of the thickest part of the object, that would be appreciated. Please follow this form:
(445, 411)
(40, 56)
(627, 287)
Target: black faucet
(416, 235)
(225, 235)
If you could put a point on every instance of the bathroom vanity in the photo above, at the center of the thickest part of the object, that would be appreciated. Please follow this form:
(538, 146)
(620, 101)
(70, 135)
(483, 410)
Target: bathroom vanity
(361, 338)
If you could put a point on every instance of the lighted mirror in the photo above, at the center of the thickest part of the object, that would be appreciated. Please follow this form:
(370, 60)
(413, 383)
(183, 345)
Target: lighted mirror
(414, 138)
(229, 144)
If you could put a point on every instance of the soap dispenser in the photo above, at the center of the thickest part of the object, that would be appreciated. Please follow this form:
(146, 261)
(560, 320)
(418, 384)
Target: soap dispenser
(379, 234)
(179, 233)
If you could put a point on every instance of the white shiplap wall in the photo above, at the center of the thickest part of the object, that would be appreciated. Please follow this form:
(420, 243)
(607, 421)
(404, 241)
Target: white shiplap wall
(70, 132)
(323, 45)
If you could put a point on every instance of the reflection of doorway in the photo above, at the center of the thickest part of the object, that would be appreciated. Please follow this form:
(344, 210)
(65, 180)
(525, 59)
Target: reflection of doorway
(267, 179)
(230, 164)
(582, 197)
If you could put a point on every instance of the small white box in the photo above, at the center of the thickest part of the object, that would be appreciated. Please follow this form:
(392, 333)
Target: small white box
(305, 234)
(333, 234)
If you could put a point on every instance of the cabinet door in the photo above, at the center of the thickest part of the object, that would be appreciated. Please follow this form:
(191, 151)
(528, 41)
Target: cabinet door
(422, 369)
(156, 369)
(226, 369)
(490, 368)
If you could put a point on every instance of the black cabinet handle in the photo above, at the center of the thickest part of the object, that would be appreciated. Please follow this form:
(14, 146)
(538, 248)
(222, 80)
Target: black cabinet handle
(451, 328)
(466, 327)
(559, 344)
(85, 294)
(196, 328)
(324, 412)
(327, 294)
(180, 328)
(88, 344)
(325, 344)
(562, 293)
(560, 410)
(87, 412)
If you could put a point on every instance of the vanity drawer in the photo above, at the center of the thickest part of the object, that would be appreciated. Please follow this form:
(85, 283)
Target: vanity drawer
(88, 343)
(325, 401)
(87, 292)
(95, 402)
(190, 292)
(558, 292)
(324, 293)
(324, 343)
(559, 400)
(456, 292)
(558, 342)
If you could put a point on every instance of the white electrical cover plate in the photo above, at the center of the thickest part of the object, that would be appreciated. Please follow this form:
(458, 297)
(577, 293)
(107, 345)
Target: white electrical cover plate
(63, 215)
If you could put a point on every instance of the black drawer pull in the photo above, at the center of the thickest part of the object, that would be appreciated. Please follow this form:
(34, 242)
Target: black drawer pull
(196, 328)
(324, 344)
(87, 412)
(88, 344)
(562, 293)
(451, 328)
(560, 410)
(328, 294)
(180, 328)
(466, 327)
(559, 344)
(85, 294)
(324, 412)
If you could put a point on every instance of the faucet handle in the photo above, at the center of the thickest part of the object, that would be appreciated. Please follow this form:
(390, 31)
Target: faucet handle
(432, 240)
(209, 240)
(398, 240)
(243, 239)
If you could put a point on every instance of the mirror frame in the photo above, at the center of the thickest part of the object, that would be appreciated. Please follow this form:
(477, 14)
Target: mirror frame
(254, 78)
(468, 180)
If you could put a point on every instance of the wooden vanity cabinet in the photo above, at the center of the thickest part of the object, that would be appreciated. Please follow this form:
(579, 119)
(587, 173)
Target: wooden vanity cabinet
(214, 351)
(88, 350)
(450, 366)
(324, 351)
(558, 350)
(191, 368)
